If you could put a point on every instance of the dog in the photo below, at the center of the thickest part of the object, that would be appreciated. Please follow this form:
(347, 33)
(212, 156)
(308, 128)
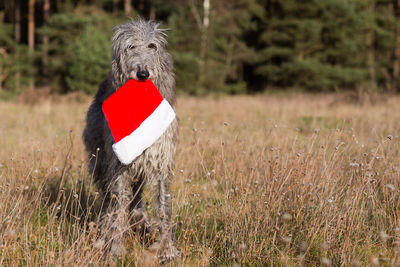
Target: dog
(138, 52)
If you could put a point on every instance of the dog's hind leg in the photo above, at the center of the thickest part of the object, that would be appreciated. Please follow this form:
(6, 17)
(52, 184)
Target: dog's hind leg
(114, 218)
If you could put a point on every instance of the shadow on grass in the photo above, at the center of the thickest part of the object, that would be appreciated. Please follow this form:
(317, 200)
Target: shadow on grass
(72, 201)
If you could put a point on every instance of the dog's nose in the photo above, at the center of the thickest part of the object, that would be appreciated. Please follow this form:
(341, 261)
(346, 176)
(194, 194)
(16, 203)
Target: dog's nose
(143, 75)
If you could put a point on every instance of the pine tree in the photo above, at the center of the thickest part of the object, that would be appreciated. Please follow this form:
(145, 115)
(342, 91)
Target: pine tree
(304, 44)
(396, 51)
(384, 42)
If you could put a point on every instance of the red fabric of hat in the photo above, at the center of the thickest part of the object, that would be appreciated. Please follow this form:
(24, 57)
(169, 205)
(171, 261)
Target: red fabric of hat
(137, 115)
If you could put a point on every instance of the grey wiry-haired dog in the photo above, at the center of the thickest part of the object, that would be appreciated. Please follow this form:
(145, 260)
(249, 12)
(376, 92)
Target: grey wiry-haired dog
(138, 52)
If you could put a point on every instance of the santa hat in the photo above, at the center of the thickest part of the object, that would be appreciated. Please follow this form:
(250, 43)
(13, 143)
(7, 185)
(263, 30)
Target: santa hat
(137, 115)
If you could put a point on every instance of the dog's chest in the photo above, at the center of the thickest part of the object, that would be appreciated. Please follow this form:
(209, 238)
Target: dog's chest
(156, 160)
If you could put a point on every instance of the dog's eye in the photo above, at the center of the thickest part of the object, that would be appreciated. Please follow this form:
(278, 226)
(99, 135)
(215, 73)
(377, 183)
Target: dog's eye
(152, 46)
(130, 47)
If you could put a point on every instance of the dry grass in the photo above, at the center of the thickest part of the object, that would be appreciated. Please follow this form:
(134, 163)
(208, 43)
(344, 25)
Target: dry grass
(260, 181)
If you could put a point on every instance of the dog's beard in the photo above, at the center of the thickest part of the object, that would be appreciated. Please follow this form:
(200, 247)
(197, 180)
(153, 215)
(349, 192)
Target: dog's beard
(132, 75)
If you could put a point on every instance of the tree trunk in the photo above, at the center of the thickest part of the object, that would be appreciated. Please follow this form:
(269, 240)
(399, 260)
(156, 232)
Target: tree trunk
(17, 21)
(203, 46)
(31, 37)
(370, 45)
(80, 3)
(115, 6)
(12, 12)
(396, 52)
(152, 12)
(3, 54)
(3, 71)
(206, 22)
(128, 7)
(141, 6)
(206, 18)
(17, 36)
(45, 53)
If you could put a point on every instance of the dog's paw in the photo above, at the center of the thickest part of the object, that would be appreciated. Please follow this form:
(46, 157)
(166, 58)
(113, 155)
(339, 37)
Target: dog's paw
(117, 249)
(169, 254)
(166, 254)
(140, 224)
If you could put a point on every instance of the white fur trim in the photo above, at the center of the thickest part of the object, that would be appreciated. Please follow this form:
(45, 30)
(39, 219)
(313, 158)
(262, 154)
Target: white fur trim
(131, 146)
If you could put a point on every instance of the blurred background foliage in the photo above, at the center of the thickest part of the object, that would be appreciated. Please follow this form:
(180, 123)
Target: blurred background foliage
(236, 46)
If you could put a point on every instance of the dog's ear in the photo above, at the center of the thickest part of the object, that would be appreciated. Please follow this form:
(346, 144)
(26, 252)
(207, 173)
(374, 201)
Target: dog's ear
(118, 33)
(160, 33)
(117, 43)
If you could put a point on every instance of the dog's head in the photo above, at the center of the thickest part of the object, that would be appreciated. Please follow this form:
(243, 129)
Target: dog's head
(138, 50)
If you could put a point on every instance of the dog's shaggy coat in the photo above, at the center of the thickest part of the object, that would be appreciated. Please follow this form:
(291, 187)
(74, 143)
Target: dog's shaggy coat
(138, 52)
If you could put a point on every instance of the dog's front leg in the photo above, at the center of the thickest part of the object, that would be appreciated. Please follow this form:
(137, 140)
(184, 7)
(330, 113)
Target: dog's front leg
(165, 244)
(115, 220)
(138, 215)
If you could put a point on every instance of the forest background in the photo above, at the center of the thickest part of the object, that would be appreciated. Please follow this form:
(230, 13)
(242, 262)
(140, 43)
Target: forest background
(237, 46)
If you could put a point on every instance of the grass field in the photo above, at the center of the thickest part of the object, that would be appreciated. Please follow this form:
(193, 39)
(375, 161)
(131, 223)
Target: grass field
(295, 180)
